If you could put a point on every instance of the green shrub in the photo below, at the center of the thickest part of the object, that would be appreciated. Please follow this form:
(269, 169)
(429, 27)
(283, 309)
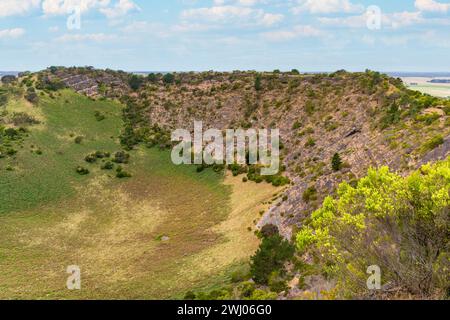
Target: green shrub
(428, 118)
(432, 144)
(310, 142)
(82, 171)
(310, 194)
(121, 157)
(91, 158)
(120, 173)
(297, 125)
(309, 107)
(398, 223)
(107, 166)
(99, 116)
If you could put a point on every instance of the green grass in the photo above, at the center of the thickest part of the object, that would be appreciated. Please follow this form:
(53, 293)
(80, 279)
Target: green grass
(51, 217)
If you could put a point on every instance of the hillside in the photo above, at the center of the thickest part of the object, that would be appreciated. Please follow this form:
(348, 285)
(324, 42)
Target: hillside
(55, 119)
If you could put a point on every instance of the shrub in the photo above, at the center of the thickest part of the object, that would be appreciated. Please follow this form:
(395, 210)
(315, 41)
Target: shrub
(432, 144)
(82, 171)
(310, 142)
(135, 82)
(258, 86)
(398, 223)
(310, 194)
(309, 107)
(78, 140)
(91, 158)
(269, 230)
(107, 166)
(22, 118)
(297, 125)
(31, 96)
(120, 173)
(428, 118)
(168, 78)
(99, 116)
(121, 157)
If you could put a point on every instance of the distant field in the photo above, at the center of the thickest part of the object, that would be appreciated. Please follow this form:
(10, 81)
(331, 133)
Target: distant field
(50, 217)
(421, 84)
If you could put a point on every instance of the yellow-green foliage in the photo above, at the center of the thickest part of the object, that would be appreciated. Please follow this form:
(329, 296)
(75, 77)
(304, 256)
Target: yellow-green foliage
(400, 224)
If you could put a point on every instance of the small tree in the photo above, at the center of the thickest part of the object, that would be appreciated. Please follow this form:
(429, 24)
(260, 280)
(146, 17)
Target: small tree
(135, 82)
(258, 82)
(168, 78)
(336, 162)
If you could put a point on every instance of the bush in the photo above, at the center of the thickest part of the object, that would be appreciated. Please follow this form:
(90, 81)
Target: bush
(121, 157)
(258, 86)
(31, 96)
(168, 78)
(107, 166)
(135, 82)
(99, 116)
(310, 142)
(432, 144)
(78, 140)
(82, 171)
(120, 173)
(310, 194)
(269, 230)
(309, 107)
(398, 223)
(91, 158)
(22, 118)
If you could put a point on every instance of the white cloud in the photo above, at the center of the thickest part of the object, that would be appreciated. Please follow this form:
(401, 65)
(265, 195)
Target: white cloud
(96, 37)
(122, 8)
(17, 7)
(62, 7)
(11, 33)
(233, 14)
(391, 20)
(432, 6)
(110, 9)
(297, 32)
(326, 6)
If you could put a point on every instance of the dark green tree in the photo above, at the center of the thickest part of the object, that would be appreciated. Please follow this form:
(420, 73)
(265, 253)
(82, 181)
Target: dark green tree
(258, 86)
(336, 162)
(135, 82)
(271, 256)
(168, 78)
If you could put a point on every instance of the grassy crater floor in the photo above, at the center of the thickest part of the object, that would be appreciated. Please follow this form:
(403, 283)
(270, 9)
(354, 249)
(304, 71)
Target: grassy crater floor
(158, 234)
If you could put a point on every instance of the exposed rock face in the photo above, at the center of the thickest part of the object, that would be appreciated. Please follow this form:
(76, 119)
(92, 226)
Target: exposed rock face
(93, 83)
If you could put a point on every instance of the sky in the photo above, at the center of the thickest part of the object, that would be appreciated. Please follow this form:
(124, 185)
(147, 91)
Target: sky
(225, 35)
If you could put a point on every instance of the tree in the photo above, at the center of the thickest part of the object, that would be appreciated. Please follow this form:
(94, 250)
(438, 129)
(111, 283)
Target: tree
(295, 71)
(400, 224)
(336, 162)
(271, 256)
(135, 82)
(258, 82)
(152, 77)
(168, 78)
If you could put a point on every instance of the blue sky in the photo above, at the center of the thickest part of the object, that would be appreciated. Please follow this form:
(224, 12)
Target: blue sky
(184, 35)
